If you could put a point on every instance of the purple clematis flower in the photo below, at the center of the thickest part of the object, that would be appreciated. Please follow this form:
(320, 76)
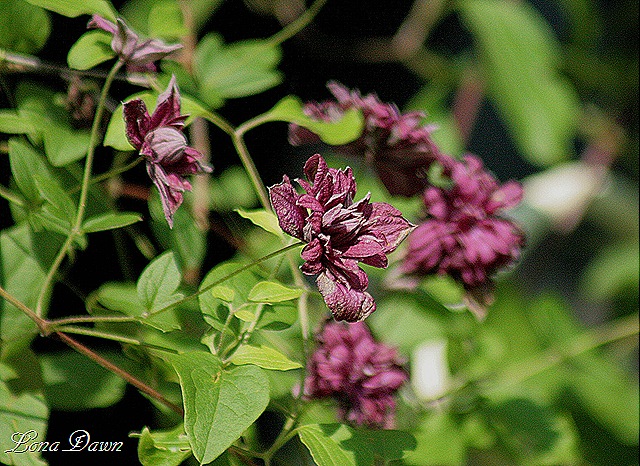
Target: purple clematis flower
(160, 140)
(464, 237)
(138, 54)
(339, 233)
(362, 374)
(397, 145)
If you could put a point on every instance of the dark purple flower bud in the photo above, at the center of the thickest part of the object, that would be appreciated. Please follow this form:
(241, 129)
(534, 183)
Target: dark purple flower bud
(360, 373)
(398, 146)
(159, 138)
(464, 237)
(339, 233)
(138, 54)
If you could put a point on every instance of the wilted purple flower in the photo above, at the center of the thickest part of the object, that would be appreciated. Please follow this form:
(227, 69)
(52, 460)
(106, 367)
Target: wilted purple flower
(464, 237)
(363, 375)
(397, 145)
(138, 54)
(339, 233)
(160, 140)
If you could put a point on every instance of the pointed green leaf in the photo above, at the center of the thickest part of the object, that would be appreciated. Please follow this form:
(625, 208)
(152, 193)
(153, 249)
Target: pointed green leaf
(278, 316)
(440, 442)
(266, 220)
(29, 30)
(73, 8)
(263, 356)
(11, 122)
(219, 403)
(166, 21)
(346, 129)
(26, 413)
(109, 221)
(325, 450)
(58, 202)
(159, 281)
(163, 447)
(91, 49)
(272, 292)
(26, 162)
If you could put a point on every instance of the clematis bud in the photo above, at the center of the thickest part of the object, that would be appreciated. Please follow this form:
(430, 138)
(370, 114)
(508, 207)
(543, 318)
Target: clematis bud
(138, 54)
(339, 233)
(362, 374)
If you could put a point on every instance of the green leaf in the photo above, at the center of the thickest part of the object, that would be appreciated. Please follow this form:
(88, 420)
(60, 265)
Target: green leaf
(91, 49)
(219, 403)
(263, 356)
(109, 221)
(163, 447)
(74, 382)
(58, 202)
(73, 8)
(278, 316)
(233, 180)
(346, 129)
(25, 164)
(26, 413)
(159, 281)
(11, 122)
(166, 21)
(186, 238)
(521, 57)
(241, 284)
(29, 31)
(24, 261)
(266, 220)
(123, 297)
(337, 444)
(439, 442)
(235, 70)
(325, 450)
(272, 292)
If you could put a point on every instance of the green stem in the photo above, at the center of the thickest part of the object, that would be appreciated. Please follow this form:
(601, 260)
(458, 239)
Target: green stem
(109, 174)
(252, 171)
(11, 196)
(84, 191)
(110, 336)
(91, 319)
(296, 25)
(286, 434)
(225, 278)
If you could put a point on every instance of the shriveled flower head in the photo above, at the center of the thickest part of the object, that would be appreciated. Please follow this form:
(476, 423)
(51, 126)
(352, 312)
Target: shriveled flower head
(464, 236)
(360, 373)
(340, 233)
(138, 54)
(397, 145)
(160, 139)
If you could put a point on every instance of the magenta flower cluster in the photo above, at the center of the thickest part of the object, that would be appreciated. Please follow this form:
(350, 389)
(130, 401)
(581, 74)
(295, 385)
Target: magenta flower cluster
(397, 145)
(339, 233)
(464, 236)
(360, 373)
(159, 138)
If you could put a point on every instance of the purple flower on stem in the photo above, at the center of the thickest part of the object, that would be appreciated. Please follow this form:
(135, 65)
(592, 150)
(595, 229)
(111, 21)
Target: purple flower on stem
(339, 233)
(138, 54)
(160, 140)
(363, 375)
(397, 145)
(464, 237)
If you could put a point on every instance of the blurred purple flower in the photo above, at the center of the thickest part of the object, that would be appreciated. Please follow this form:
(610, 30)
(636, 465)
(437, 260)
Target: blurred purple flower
(464, 237)
(339, 233)
(138, 54)
(160, 140)
(363, 375)
(397, 145)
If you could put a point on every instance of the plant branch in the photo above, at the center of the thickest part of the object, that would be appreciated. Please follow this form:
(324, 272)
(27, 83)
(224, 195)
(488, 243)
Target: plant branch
(140, 385)
(11, 196)
(84, 190)
(40, 322)
(297, 25)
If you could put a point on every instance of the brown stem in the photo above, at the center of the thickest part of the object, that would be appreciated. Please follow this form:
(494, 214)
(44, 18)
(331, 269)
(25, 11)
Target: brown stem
(466, 104)
(80, 348)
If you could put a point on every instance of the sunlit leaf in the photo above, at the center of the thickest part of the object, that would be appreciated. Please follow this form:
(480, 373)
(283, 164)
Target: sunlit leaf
(263, 356)
(219, 403)
(109, 221)
(266, 220)
(73, 8)
(272, 292)
(163, 447)
(91, 49)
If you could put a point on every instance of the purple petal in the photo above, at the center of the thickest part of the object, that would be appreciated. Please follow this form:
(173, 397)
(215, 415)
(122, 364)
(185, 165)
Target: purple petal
(98, 22)
(167, 110)
(136, 120)
(345, 304)
(284, 199)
